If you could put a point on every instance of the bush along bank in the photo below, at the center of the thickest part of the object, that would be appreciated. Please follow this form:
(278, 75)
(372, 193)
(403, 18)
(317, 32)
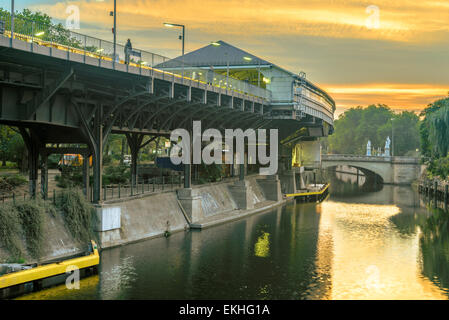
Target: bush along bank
(22, 224)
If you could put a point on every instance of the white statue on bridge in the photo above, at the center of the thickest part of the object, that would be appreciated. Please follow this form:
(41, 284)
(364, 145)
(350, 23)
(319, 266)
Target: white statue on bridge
(387, 147)
(368, 149)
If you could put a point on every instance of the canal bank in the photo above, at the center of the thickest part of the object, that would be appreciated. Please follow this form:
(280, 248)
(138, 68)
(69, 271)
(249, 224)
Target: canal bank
(147, 216)
(436, 188)
(359, 244)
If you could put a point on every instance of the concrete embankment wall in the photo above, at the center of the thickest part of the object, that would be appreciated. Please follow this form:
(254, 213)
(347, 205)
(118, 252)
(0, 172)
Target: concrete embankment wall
(217, 198)
(139, 218)
(57, 242)
(148, 216)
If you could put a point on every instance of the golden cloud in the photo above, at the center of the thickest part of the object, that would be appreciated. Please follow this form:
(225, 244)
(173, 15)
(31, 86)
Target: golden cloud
(400, 97)
(402, 20)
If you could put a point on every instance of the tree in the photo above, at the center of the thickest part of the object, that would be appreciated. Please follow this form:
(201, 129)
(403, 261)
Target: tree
(403, 129)
(26, 21)
(6, 133)
(11, 146)
(375, 123)
(434, 129)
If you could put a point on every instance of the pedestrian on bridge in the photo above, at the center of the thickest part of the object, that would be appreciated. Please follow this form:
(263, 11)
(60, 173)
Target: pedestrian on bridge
(128, 50)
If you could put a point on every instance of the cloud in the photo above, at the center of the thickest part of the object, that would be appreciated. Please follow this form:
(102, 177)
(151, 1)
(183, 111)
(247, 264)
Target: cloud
(403, 63)
(400, 97)
(403, 21)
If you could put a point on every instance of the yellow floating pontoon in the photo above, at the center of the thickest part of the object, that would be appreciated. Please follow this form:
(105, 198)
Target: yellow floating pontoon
(42, 276)
(317, 194)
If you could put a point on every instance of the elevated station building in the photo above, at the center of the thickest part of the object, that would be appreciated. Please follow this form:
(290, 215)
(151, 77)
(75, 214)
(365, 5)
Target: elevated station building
(302, 111)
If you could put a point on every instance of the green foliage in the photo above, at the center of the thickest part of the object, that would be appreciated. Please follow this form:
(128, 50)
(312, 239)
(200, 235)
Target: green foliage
(8, 183)
(375, 123)
(11, 145)
(434, 129)
(70, 177)
(25, 220)
(210, 173)
(16, 180)
(31, 214)
(116, 175)
(434, 134)
(77, 213)
(439, 131)
(53, 161)
(439, 167)
(10, 230)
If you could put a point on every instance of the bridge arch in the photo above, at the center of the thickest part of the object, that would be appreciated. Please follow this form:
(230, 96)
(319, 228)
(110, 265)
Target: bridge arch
(373, 173)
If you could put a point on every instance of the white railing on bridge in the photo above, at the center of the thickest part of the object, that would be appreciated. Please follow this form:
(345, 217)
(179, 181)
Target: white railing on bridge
(57, 37)
(353, 157)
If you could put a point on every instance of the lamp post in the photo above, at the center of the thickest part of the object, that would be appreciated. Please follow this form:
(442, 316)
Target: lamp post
(115, 33)
(170, 25)
(392, 137)
(12, 21)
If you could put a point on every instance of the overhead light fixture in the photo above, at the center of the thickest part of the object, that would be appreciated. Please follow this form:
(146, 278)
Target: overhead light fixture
(170, 25)
(247, 58)
(216, 44)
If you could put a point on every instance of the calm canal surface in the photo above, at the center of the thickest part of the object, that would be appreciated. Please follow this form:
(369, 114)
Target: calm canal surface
(358, 244)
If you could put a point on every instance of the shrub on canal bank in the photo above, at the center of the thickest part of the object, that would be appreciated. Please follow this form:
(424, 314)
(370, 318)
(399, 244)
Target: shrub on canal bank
(10, 230)
(31, 214)
(77, 213)
(22, 224)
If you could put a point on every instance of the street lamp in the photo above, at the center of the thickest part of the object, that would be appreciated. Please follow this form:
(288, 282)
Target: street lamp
(114, 31)
(392, 137)
(171, 25)
(12, 21)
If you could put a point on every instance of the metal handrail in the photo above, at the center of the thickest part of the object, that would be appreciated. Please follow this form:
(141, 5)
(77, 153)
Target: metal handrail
(56, 36)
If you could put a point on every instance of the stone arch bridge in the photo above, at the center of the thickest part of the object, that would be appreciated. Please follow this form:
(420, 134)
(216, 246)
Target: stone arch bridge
(392, 170)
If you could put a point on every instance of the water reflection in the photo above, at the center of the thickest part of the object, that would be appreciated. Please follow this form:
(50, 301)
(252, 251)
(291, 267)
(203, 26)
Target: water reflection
(262, 246)
(361, 243)
(434, 242)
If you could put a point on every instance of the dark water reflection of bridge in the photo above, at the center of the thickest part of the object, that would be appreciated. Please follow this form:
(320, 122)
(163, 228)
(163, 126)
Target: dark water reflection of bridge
(385, 243)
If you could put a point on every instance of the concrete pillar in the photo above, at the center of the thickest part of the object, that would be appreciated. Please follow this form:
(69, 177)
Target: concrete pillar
(271, 187)
(187, 176)
(241, 172)
(241, 193)
(288, 181)
(191, 203)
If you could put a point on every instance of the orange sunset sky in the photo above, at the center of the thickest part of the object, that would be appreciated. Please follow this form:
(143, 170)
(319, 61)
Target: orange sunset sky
(397, 55)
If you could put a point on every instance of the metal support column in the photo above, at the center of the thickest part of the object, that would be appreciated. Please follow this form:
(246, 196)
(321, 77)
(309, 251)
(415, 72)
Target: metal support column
(97, 158)
(86, 175)
(32, 144)
(44, 175)
(135, 143)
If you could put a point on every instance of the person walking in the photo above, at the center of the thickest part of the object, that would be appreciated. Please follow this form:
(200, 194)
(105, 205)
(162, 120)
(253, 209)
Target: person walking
(128, 50)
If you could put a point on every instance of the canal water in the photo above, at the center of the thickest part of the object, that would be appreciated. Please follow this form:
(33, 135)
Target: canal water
(361, 243)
